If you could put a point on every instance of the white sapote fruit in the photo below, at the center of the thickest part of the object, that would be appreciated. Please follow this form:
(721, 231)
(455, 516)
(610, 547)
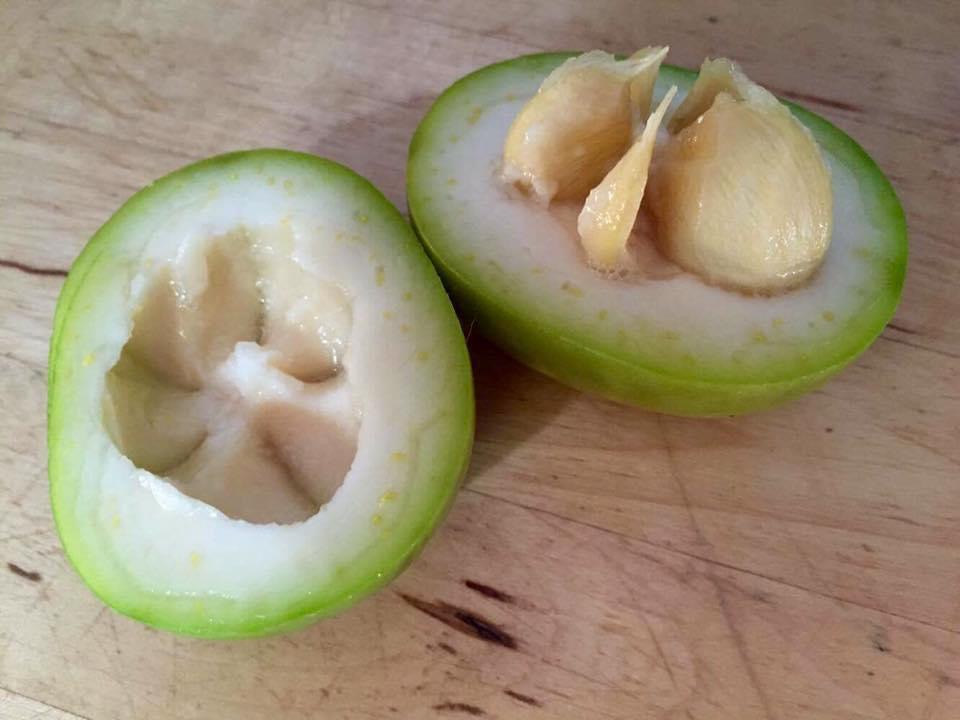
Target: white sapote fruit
(260, 397)
(741, 192)
(677, 315)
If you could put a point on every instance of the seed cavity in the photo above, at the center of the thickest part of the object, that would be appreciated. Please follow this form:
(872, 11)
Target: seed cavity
(231, 385)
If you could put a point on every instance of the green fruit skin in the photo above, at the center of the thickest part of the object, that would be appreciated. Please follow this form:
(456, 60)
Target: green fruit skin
(222, 617)
(618, 376)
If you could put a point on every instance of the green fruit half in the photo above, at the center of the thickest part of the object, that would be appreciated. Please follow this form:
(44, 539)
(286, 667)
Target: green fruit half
(675, 344)
(260, 398)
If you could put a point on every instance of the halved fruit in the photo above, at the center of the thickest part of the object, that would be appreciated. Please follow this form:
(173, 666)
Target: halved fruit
(260, 398)
(651, 333)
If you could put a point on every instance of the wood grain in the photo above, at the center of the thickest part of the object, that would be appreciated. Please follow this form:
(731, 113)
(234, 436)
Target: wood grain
(17, 707)
(601, 562)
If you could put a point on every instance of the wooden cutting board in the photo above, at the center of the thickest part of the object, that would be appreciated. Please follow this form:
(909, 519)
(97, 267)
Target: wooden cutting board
(803, 563)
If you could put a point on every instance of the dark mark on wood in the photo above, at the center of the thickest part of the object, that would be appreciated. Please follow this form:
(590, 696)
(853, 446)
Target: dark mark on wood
(901, 328)
(525, 699)
(31, 270)
(447, 648)
(826, 102)
(904, 520)
(490, 592)
(880, 640)
(713, 19)
(918, 346)
(31, 575)
(829, 429)
(460, 707)
(465, 621)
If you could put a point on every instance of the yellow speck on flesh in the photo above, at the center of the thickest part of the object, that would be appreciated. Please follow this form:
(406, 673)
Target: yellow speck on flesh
(423, 356)
(361, 218)
(688, 359)
(828, 316)
(451, 181)
(148, 263)
(758, 336)
(602, 315)
(510, 97)
(339, 235)
(234, 176)
(538, 270)
(777, 322)
(470, 257)
(453, 138)
(398, 456)
(388, 315)
(271, 180)
(408, 296)
(377, 519)
(288, 185)
(195, 559)
(88, 360)
(404, 327)
(380, 275)
(285, 221)
(572, 289)
(862, 252)
(388, 496)
(669, 335)
(474, 115)
(115, 522)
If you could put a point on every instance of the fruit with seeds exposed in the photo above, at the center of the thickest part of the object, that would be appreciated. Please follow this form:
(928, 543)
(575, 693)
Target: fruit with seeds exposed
(654, 312)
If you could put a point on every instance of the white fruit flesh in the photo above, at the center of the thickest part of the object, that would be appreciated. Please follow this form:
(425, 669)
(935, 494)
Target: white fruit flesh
(608, 216)
(260, 397)
(579, 123)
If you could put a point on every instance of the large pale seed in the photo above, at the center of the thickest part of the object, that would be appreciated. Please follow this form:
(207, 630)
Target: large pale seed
(608, 216)
(741, 193)
(582, 119)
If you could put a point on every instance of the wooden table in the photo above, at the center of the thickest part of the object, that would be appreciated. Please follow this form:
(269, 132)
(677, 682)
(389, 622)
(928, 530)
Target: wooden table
(803, 563)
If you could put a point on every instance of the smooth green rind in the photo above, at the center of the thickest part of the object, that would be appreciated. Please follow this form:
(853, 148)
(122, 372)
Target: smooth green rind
(593, 361)
(96, 269)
